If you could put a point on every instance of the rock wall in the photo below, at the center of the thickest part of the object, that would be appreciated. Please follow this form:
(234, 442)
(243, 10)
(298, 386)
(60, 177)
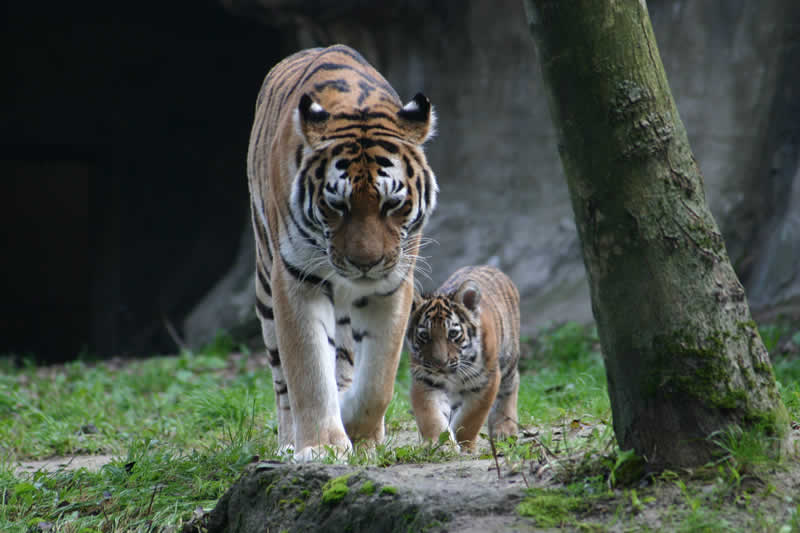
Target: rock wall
(732, 69)
(123, 144)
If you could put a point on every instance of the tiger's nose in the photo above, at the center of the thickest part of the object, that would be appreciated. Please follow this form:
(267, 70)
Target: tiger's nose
(363, 264)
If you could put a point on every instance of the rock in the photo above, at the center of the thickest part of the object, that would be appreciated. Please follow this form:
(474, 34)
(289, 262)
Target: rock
(455, 496)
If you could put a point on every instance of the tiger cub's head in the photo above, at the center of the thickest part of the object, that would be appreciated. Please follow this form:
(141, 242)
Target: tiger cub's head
(363, 187)
(444, 333)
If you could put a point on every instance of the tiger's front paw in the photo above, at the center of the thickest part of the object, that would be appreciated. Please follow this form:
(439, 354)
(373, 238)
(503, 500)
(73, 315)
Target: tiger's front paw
(335, 453)
(331, 445)
(366, 434)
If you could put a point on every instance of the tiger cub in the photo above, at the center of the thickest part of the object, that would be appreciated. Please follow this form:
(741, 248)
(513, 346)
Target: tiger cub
(464, 341)
(340, 192)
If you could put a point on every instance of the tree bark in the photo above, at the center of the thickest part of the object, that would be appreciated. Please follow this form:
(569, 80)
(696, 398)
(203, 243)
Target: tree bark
(683, 357)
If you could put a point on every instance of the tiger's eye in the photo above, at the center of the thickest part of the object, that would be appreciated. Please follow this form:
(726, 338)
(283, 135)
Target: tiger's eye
(453, 333)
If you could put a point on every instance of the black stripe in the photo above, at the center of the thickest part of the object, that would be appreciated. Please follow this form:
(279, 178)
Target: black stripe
(274, 357)
(366, 90)
(366, 142)
(303, 233)
(340, 136)
(428, 186)
(319, 173)
(430, 383)
(343, 321)
(383, 130)
(358, 336)
(383, 161)
(298, 155)
(409, 168)
(312, 279)
(507, 372)
(265, 285)
(281, 389)
(343, 353)
(301, 187)
(417, 222)
(361, 302)
(302, 78)
(264, 311)
(363, 117)
(339, 66)
(331, 342)
(340, 85)
(389, 147)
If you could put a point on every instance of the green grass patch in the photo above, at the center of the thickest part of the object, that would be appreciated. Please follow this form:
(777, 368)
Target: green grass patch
(182, 428)
(551, 508)
(562, 377)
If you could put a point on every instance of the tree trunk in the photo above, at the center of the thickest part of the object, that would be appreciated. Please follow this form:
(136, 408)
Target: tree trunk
(683, 357)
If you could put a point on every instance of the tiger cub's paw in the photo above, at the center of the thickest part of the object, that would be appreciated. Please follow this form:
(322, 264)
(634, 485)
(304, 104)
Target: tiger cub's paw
(503, 430)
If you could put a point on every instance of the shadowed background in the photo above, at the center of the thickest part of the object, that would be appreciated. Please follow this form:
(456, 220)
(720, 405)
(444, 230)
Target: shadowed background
(124, 134)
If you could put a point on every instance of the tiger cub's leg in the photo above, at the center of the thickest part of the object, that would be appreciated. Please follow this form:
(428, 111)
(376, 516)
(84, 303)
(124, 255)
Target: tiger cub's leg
(267, 319)
(469, 418)
(305, 327)
(503, 417)
(378, 324)
(432, 410)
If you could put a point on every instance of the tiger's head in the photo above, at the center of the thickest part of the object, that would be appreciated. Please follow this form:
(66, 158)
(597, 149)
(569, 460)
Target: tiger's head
(363, 189)
(444, 332)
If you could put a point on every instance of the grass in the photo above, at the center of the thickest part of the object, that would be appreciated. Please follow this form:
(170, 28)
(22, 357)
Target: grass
(182, 428)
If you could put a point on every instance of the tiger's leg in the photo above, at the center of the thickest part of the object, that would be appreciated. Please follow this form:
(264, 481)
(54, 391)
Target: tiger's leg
(467, 421)
(503, 417)
(267, 319)
(305, 328)
(378, 324)
(432, 410)
(345, 352)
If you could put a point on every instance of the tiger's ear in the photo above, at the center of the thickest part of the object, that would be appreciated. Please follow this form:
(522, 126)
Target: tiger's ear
(418, 119)
(310, 119)
(469, 294)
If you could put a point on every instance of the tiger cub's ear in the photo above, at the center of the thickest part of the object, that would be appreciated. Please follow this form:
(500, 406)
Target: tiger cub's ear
(310, 119)
(416, 303)
(418, 119)
(469, 295)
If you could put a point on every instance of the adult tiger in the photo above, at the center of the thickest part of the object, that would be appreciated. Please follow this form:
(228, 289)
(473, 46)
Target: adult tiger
(340, 191)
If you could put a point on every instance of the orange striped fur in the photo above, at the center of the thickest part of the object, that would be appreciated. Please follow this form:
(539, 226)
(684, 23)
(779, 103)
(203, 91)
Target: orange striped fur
(464, 341)
(340, 192)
